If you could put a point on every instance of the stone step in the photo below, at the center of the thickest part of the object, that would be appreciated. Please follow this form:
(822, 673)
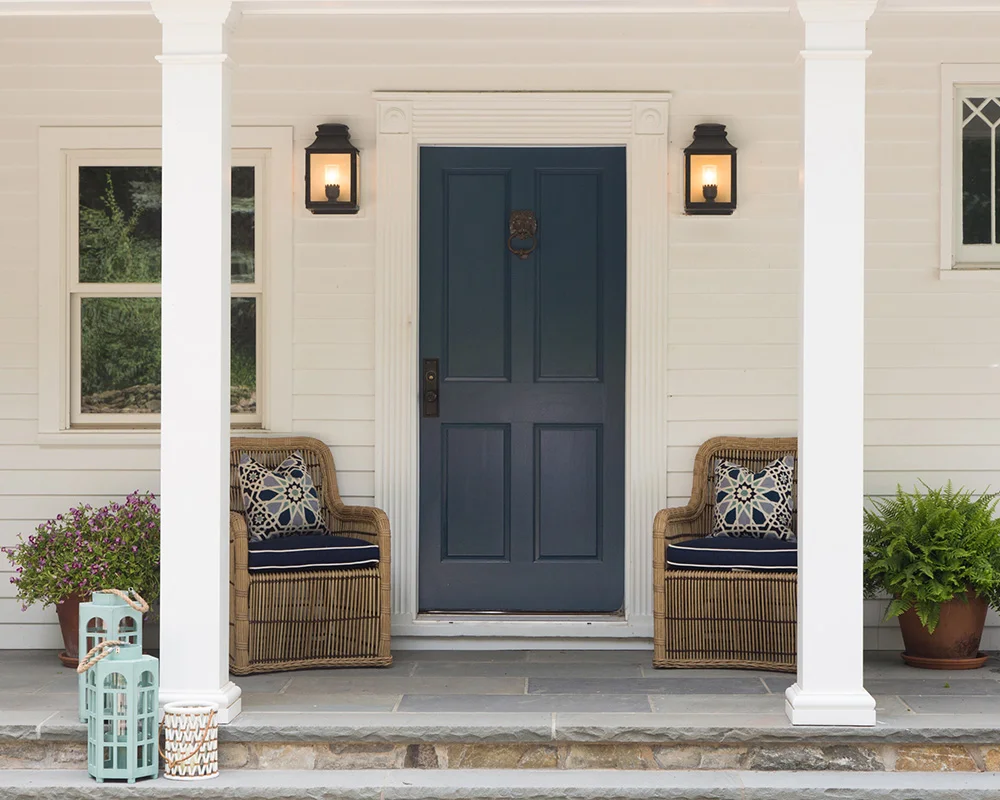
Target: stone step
(523, 785)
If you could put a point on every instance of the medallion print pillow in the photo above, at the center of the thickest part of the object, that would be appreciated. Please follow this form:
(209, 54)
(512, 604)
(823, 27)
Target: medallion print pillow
(279, 501)
(757, 504)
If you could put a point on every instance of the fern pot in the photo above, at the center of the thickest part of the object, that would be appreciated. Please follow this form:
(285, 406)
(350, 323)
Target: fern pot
(954, 643)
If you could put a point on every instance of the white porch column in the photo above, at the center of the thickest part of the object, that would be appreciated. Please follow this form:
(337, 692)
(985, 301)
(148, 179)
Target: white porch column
(829, 688)
(194, 460)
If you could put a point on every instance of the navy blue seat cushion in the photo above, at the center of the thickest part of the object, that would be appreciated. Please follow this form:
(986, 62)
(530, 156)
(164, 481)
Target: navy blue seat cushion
(734, 553)
(310, 552)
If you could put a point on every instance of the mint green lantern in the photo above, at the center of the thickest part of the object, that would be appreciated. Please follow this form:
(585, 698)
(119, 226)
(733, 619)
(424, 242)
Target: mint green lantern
(110, 614)
(122, 687)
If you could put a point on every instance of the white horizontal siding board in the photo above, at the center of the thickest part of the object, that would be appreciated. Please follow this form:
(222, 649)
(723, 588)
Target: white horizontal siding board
(922, 381)
(917, 332)
(355, 459)
(18, 406)
(335, 281)
(46, 506)
(333, 306)
(345, 432)
(891, 458)
(934, 355)
(77, 482)
(883, 484)
(726, 329)
(335, 356)
(735, 281)
(18, 332)
(32, 636)
(329, 331)
(323, 257)
(342, 407)
(723, 382)
(732, 407)
(731, 356)
(931, 406)
(32, 457)
(934, 432)
(334, 381)
(711, 307)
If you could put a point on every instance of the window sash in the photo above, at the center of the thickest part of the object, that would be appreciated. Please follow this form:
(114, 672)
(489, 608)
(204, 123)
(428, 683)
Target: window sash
(77, 290)
(983, 255)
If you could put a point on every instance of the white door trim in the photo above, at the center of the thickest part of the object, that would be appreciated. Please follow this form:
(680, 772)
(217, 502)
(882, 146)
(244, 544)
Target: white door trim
(408, 120)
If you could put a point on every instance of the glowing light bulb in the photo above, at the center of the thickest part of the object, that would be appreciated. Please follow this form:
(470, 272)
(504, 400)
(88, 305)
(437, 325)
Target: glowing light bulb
(709, 175)
(332, 173)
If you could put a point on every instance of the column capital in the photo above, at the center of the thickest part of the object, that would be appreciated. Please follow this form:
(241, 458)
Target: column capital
(835, 27)
(836, 10)
(196, 27)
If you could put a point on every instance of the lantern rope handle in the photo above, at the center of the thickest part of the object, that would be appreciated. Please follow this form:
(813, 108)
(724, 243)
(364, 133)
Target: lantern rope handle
(173, 762)
(138, 603)
(96, 653)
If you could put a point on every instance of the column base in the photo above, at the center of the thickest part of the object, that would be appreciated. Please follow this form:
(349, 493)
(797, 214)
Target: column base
(855, 709)
(228, 699)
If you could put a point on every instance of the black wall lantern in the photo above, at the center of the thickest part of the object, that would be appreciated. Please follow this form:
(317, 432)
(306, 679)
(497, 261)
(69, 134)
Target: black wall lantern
(710, 171)
(332, 172)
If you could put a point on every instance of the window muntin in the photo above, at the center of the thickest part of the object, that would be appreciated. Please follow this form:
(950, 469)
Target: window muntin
(114, 290)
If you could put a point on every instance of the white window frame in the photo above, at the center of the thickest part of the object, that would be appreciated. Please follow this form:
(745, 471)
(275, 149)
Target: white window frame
(61, 152)
(960, 261)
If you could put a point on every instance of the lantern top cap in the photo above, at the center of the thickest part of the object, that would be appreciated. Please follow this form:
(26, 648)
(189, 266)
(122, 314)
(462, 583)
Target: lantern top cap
(710, 137)
(332, 136)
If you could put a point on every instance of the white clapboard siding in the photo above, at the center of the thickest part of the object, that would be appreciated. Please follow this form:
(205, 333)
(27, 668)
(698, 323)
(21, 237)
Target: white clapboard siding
(933, 348)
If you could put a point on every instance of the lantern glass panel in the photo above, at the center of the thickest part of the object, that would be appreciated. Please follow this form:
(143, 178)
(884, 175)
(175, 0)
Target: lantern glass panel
(328, 169)
(127, 630)
(705, 168)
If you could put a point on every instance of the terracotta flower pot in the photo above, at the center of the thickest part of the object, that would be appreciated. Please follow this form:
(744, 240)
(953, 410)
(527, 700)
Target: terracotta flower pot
(954, 643)
(68, 611)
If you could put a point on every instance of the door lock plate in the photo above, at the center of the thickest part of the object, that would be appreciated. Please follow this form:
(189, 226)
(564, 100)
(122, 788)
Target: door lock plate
(431, 392)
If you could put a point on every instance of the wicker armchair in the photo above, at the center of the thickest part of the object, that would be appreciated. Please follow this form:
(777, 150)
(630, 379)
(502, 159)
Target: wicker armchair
(298, 620)
(708, 618)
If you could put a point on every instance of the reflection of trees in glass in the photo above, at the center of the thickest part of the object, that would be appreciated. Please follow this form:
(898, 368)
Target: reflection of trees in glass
(119, 228)
(120, 354)
(120, 231)
(243, 354)
(977, 201)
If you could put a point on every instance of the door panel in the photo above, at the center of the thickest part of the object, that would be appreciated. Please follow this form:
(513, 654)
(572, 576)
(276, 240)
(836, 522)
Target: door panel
(522, 473)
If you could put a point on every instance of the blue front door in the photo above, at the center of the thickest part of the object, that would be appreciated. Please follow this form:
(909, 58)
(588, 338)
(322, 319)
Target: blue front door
(522, 470)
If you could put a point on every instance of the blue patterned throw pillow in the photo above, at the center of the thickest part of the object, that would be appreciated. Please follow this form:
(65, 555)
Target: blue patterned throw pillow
(280, 501)
(757, 504)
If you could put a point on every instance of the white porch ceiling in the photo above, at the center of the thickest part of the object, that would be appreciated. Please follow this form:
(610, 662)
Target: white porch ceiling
(298, 7)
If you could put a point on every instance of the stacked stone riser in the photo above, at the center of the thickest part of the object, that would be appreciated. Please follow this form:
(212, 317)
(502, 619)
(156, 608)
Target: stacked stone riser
(644, 756)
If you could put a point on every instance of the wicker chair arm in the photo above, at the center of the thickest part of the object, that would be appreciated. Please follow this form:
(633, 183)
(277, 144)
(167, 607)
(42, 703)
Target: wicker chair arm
(239, 538)
(371, 522)
(678, 524)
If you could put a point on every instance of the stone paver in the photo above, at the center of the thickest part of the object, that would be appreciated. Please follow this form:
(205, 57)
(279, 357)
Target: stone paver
(536, 702)
(681, 685)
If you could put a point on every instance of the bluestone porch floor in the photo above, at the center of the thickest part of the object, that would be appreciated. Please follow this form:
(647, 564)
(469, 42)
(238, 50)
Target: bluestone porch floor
(531, 693)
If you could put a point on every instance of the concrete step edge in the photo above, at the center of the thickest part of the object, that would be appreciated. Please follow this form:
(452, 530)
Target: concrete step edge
(520, 785)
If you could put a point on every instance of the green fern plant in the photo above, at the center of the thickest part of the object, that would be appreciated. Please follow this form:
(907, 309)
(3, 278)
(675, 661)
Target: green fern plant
(926, 548)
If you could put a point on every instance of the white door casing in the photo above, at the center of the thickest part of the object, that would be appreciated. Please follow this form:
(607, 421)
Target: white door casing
(408, 121)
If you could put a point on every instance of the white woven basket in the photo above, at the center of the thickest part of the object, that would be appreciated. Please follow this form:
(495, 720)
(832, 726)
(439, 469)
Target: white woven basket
(190, 741)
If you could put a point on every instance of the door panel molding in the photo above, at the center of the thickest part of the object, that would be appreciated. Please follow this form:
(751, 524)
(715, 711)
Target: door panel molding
(406, 121)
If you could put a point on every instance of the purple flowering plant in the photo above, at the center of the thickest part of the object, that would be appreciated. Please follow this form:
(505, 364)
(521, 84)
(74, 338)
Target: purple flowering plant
(116, 546)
